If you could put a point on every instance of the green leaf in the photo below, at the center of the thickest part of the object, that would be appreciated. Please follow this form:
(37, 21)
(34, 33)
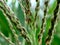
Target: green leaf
(4, 24)
(52, 7)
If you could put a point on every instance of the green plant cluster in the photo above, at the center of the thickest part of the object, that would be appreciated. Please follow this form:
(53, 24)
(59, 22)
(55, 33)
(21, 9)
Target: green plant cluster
(22, 24)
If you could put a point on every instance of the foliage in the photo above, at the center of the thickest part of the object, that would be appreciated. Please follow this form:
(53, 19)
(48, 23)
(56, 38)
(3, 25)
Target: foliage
(28, 22)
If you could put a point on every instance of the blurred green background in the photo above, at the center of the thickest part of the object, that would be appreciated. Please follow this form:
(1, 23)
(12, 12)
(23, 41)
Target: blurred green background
(14, 5)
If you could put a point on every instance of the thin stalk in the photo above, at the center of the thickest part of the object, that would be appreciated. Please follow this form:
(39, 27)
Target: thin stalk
(7, 39)
(53, 22)
(43, 23)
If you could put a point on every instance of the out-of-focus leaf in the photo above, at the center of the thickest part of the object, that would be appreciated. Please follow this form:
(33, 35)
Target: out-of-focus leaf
(4, 24)
(52, 6)
(56, 41)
